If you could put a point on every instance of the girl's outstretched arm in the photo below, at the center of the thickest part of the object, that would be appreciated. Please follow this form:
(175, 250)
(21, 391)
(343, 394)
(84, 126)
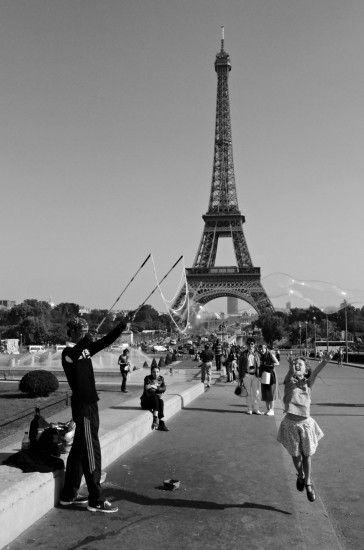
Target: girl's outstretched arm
(290, 360)
(325, 359)
(290, 372)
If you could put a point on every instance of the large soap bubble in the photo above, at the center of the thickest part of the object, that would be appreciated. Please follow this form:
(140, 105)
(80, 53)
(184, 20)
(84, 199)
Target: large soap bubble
(329, 298)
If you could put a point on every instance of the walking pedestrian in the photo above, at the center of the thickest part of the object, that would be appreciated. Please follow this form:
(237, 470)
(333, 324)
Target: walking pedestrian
(217, 349)
(249, 363)
(125, 368)
(207, 357)
(340, 356)
(85, 455)
(231, 366)
(299, 433)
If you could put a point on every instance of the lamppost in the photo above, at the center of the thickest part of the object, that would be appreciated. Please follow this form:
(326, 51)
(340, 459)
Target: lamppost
(346, 328)
(346, 332)
(306, 322)
(327, 332)
(300, 327)
(314, 334)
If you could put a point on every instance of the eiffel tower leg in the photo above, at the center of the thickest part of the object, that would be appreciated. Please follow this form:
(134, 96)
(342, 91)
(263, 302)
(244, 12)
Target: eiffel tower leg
(261, 300)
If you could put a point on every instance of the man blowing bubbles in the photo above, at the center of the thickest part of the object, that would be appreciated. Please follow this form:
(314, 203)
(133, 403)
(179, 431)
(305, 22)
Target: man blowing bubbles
(85, 455)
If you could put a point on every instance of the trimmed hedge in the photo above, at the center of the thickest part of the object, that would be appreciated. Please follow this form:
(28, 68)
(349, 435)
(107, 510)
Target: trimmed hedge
(38, 383)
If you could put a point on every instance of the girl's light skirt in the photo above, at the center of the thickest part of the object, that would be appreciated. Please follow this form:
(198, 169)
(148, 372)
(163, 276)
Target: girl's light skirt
(300, 437)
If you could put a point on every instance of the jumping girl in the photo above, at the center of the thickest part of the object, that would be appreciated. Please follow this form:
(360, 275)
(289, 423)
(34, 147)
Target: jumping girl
(299, 433)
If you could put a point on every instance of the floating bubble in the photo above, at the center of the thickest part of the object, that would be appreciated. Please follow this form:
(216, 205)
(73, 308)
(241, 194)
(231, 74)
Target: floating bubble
(329, 298)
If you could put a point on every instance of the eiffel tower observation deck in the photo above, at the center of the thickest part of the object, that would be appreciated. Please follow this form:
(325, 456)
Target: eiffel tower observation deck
(223, 219)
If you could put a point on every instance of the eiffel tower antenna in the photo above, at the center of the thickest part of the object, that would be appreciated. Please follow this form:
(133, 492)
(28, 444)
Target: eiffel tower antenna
(223, 218)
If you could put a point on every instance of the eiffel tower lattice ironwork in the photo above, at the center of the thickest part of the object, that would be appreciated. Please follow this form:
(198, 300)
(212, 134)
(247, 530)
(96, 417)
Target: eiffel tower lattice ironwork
(205, 281)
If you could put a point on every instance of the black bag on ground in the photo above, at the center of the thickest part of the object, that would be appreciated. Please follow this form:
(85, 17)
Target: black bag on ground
(34, 461)
(37, 426)
(50, 442)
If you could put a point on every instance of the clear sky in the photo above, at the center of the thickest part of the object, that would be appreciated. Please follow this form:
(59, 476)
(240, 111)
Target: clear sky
(107, 132)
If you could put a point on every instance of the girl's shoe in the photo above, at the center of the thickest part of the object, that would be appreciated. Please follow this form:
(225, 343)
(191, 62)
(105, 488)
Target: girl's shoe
(310, 492)
(162, 427)
(270, 412)
(155, 424)
(300, 483)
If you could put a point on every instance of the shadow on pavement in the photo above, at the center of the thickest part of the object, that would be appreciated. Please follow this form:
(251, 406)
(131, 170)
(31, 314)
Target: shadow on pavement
(339, 404)
(212, 410)
(121, 494)
(126, 408)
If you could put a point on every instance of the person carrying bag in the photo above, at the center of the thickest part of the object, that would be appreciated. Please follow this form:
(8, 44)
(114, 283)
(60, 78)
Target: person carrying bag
(268, 378)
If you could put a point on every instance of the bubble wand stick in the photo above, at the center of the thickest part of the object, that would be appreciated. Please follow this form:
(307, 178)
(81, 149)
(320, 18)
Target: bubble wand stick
(117, 299)
(160, 282)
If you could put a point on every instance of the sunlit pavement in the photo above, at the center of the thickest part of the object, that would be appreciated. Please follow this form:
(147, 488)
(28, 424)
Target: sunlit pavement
(237, 485)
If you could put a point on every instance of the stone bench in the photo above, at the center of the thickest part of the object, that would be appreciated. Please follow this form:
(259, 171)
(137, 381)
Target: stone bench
(26, 497)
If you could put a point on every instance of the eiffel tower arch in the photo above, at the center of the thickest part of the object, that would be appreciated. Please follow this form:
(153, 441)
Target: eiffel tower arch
(205, 281)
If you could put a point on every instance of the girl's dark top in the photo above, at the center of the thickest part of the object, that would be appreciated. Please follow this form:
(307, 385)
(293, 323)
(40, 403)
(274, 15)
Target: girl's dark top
(267, 364)
(77, 365)
(150, 380)
(232, 356)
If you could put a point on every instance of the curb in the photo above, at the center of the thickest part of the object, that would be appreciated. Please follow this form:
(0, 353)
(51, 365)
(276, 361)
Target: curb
(26, 497)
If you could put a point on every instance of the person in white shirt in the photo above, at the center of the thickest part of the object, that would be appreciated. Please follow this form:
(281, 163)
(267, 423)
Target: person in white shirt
(249, 363)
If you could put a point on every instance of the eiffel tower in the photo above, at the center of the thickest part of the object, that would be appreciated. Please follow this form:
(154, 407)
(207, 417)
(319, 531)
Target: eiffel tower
(224, 220)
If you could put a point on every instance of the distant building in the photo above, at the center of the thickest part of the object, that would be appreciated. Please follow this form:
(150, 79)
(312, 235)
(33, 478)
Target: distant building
(248, 318)
(232, 305)
(7, 304)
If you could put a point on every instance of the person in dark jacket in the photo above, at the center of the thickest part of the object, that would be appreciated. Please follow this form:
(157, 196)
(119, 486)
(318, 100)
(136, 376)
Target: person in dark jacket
(151, 400)
(268, 381)
(207, 356)
(125, 368)
(85, 455)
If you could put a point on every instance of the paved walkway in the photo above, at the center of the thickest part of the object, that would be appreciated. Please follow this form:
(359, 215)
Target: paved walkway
(237, 483)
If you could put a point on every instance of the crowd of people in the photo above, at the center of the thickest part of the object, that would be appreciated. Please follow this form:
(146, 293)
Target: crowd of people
(252, 367)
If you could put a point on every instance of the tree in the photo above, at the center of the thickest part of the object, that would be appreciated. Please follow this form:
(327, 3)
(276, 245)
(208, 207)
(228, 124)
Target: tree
(29, 308)
(32, 319)
(95, 317)
(65, 311)
(166, 322)
(57, 333)
(35, 330)
(272, 327)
